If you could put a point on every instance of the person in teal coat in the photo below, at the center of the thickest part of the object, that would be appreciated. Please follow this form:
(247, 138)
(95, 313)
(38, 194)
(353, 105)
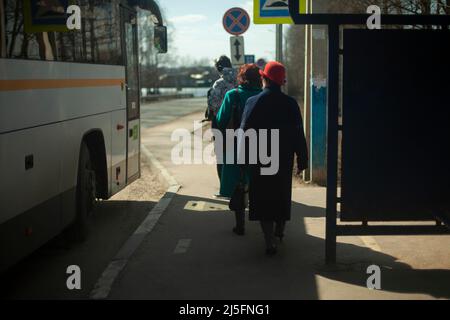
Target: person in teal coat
(229, 117)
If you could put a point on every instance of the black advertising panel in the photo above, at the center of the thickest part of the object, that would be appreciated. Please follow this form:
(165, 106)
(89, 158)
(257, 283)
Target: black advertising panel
(396, 125)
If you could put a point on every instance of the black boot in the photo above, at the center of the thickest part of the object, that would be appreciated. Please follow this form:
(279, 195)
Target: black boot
(279, 230)
(240, 223)
(267, 227)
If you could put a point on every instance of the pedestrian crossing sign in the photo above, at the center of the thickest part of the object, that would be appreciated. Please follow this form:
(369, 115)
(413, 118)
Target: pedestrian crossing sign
(274, 11)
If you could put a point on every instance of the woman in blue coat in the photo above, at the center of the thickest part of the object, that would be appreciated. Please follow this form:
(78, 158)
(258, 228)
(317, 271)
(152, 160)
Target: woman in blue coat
(229, 117)
(270, 195)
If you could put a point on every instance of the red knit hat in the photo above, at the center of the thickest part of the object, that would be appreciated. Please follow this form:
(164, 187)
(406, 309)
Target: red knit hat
(274, 71)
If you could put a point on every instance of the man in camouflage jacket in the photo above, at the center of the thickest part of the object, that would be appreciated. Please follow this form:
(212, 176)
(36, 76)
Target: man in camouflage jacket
(216, 94)
(226, 83)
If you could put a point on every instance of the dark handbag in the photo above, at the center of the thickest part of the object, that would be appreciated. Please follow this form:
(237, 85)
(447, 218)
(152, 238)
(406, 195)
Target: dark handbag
(239, 198)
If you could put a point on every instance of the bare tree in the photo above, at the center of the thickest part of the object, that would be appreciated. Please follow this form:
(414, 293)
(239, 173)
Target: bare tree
(295, 35)
(295, 60)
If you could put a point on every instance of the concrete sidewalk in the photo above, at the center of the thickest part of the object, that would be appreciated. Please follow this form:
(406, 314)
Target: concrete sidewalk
(192, 253)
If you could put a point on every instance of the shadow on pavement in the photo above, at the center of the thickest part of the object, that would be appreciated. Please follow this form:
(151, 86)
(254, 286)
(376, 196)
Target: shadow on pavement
(221, 265)
(42, 275)
(353, 261)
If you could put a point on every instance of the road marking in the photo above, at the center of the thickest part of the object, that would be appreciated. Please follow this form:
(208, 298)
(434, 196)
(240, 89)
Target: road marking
(182, 246)
(104, 284)
(371, 243)
(203, 206)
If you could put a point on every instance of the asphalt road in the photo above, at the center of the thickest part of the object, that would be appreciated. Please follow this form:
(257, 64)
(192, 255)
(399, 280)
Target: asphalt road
(43, 274)
(153, 114)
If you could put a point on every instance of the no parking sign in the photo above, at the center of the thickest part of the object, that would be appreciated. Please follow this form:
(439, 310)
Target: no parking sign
(236, 21)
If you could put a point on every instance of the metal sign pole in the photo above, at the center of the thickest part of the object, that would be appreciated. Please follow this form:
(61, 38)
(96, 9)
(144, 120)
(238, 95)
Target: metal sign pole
(332, 151)
(307, 92)
(279, 43)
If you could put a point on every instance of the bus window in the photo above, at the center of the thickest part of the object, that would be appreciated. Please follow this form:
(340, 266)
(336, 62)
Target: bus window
(22, 45)
(132, 64)
(98, 41)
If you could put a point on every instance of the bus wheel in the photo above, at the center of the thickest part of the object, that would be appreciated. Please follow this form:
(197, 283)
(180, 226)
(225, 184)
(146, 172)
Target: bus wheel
(86, 193)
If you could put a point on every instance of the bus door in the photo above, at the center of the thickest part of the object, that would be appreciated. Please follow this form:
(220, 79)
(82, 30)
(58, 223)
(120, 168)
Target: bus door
(131, 60)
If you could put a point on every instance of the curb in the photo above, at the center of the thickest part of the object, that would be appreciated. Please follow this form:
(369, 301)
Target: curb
(104, 285)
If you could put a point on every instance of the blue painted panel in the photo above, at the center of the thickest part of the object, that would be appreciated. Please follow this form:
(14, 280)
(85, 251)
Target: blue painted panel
(318, 134)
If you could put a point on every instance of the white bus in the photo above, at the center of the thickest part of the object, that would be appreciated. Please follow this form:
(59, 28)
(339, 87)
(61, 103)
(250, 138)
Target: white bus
(69, 115)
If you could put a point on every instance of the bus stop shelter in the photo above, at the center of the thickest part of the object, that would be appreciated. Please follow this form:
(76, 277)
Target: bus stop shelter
(387, 125)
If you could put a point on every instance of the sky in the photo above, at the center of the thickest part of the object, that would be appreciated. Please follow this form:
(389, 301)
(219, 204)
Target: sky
(198, 31)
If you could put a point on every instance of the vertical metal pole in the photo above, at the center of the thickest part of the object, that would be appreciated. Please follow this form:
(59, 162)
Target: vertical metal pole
(332, 151)
(279, 43)
(307, 89)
